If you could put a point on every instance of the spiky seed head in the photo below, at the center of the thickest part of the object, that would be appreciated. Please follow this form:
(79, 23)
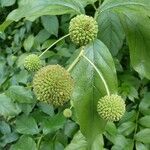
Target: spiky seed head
(53, 84)
(32, 62)
(111, 108)
(67, 113)
(83, 29)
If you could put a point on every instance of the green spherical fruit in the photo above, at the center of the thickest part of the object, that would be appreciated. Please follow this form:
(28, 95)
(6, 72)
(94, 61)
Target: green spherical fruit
(32, 62)
(111, 108)
(53, 84)
(83, 29)
(67, 113)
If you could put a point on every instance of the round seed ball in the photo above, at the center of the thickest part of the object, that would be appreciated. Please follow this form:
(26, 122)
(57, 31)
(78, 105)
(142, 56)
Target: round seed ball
(53, 84)
(83, 29)
(32, 62)
(111, 108)
(67, 113)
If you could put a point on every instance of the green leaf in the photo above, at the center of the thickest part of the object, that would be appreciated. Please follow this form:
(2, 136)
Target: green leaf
(24, 143)
(126, 128)
(86, 2)
(26, 108)
(28, 43)
(53, 124)
(140, 146)
(120, 142)
(58, 146)
(111, 128)
(8, 138)
(145, 105)
(35, 8)
(143, 136)
(20, 94)
(7, 107)
(137, 29)
(129, 116)
(46, 108)
(89, 87)
(98, 143)
(110, 31)
(21, 59)
(51, 24)
(70, 128)
(78, 142)
(46, 44)
(5, 3)
(46, 145)
(22, 76)
(4, 127)
(42, 36)
(4, 25)
(26, 125)
(51, 145)
(145, 121)
(127, 90)
(141, 6)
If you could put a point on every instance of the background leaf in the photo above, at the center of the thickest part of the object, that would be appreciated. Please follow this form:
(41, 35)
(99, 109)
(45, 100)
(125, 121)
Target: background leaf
(98, 143)
(20, 94)
(86, 2)
(145, 104)
(53, 124)
(8, 138)
(7, 2)
(110, 31)
(51, 24)
(125, 5)
(7, 107)
(141, 146)
(46, 108)
(28, 43)
(24, 143)
(143, 136)
(26, 125)
(4, 127)
(78, 142)
(138, 38)
(35, 8)
(126, 128)
(145, 121)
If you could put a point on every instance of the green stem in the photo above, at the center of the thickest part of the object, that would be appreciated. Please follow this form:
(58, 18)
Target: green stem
(39, 142)
(75, 61)
(100, 2)
(99, 73)
(94, 6)
(97, 11)
(71, 104)
(136, 123)
(54, 44)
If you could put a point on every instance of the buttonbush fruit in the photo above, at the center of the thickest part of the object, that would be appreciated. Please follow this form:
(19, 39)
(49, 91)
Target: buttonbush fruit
(83, 29)
(67, 113)
(53, 84)
(32, 62)
(111, 108)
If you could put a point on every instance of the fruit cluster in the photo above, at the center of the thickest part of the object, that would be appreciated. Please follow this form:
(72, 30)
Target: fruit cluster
(53, 84)
(83, 29)
(111, 108)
